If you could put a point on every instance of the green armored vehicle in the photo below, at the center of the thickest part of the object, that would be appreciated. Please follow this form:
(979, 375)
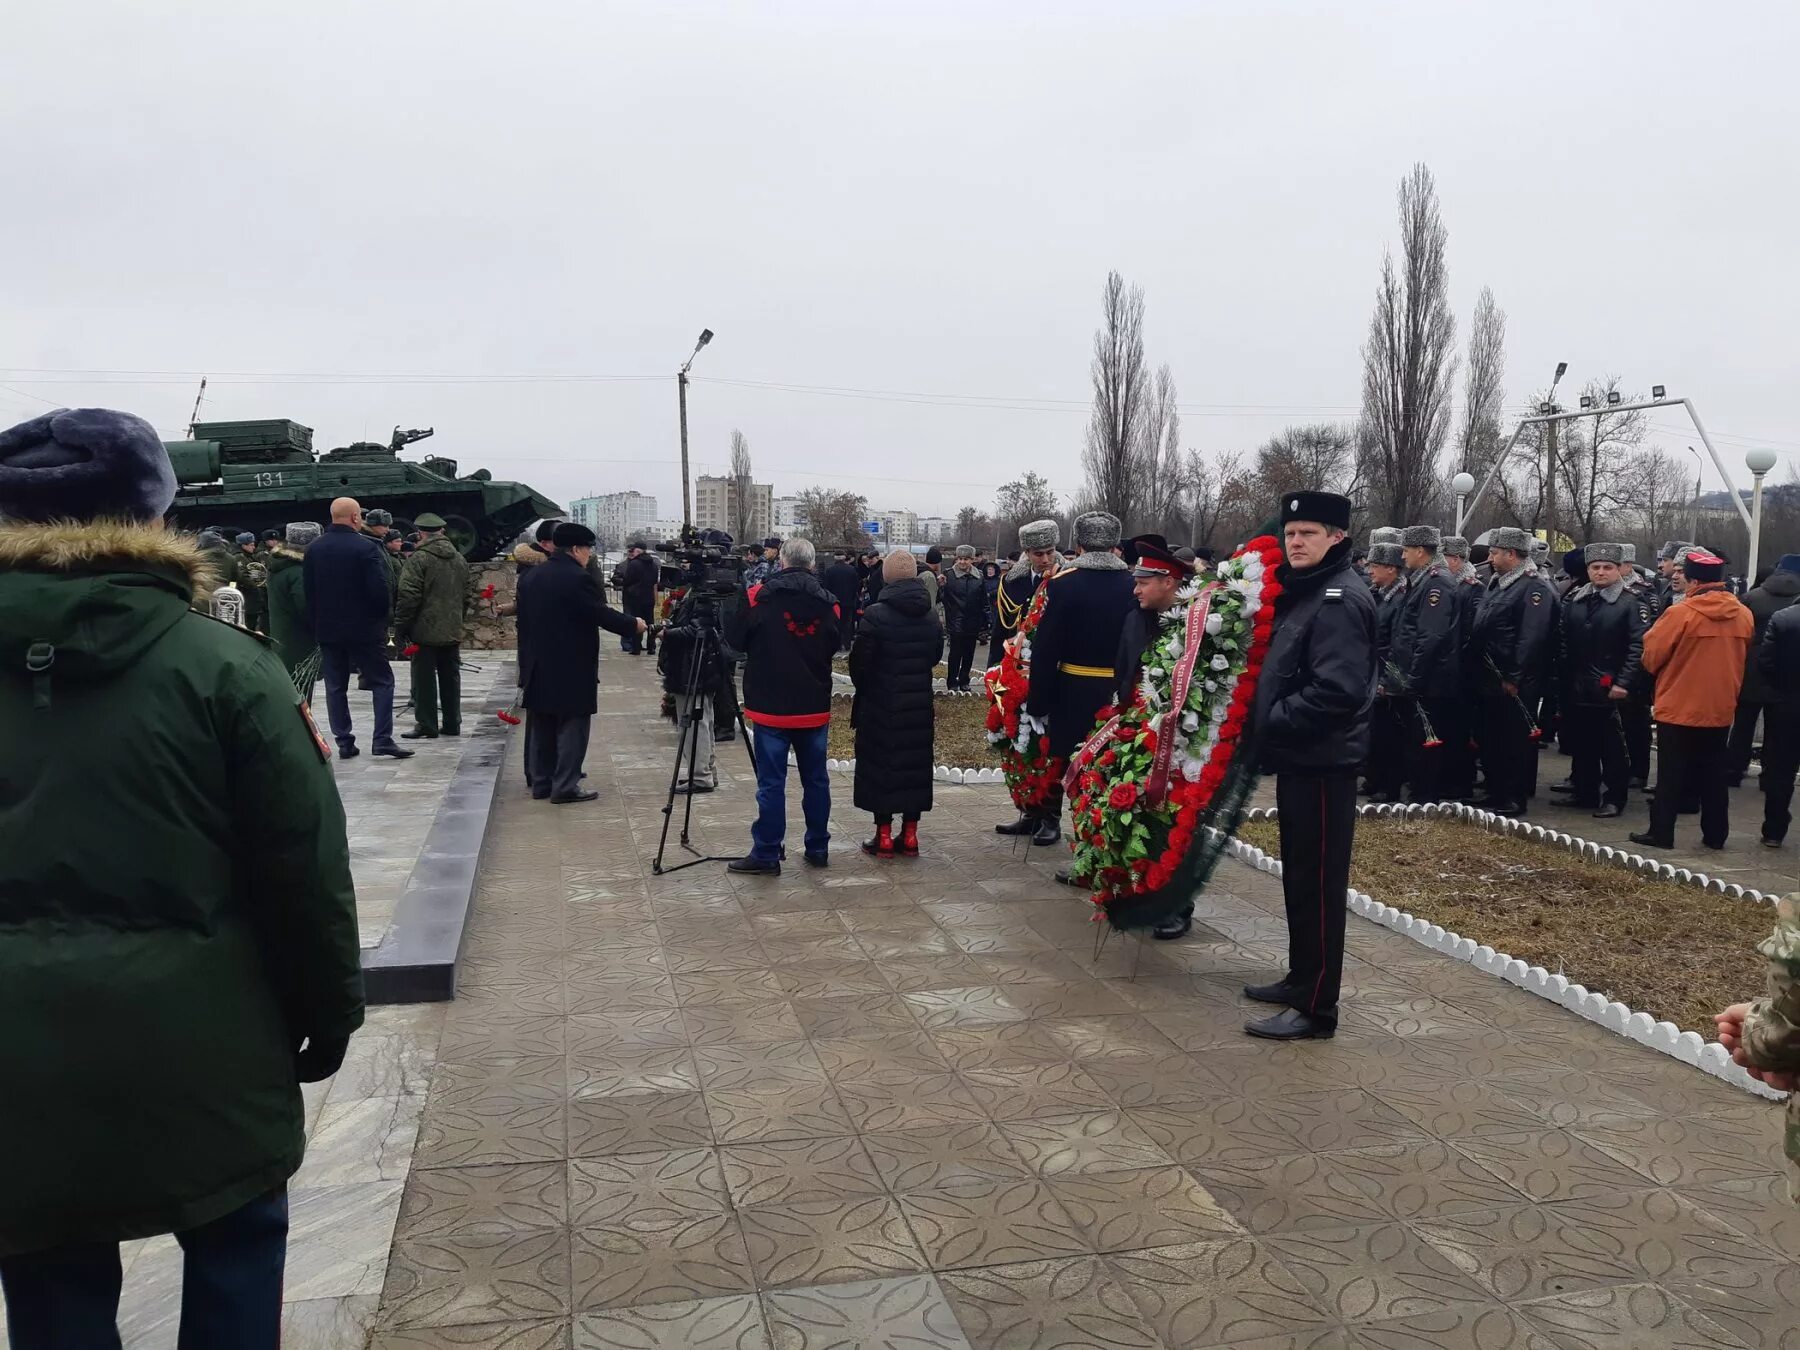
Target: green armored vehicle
(260, 475)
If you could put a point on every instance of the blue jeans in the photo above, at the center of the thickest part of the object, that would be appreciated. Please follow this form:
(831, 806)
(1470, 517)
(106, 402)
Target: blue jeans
(770, 827)
(68, 1298)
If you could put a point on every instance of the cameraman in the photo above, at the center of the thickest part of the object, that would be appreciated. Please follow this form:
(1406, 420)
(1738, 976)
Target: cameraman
(637, 585)
(691, 634)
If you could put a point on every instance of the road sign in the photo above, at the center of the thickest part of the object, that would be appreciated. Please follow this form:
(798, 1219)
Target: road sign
(871, 527)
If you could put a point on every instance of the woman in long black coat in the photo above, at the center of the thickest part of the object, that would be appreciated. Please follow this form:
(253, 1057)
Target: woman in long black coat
(897, 643)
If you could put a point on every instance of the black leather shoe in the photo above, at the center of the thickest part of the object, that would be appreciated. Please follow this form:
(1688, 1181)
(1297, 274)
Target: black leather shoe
(392, 751)
(1649, 840)
(1066, 876)
(1280, 993)
(1771, 843)
(418, 734)
(452, 731)
(1290, 1024)
(1048, 832)
(1579, 804)
(688, 789)
(1566, 785)
(566, 798)
(1609, 812)
(755, 867)
(1503, 808)
(348, 751)
(1025, 824)
(1175, 926)
(818, 860)
(540, 796)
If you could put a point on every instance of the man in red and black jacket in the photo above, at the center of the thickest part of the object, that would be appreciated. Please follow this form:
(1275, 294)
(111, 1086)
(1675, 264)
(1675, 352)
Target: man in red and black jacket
(788, 633)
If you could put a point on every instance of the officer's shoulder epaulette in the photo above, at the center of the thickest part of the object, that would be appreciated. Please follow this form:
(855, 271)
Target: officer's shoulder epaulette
(1063, 572)
(1334, 594)
(262, 639)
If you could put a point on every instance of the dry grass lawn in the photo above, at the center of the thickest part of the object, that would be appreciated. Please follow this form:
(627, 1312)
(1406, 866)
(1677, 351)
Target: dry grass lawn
(1677, 953)
(960, 738)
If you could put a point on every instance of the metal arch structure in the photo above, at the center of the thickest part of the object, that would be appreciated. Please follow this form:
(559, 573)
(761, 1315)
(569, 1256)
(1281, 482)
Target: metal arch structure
(1541, 419)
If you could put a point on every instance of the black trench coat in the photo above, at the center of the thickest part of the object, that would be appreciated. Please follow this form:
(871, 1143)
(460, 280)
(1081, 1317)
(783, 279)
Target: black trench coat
(897, 643)
(561, 613)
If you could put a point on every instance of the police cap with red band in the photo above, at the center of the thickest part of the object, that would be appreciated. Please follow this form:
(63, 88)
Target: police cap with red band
(1151, 556)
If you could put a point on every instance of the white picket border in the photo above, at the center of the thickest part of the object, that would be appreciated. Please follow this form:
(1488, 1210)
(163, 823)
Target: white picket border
(1687, 1046)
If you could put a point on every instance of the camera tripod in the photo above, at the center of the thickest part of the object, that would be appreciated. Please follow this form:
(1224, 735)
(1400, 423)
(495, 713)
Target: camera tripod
(687, 748)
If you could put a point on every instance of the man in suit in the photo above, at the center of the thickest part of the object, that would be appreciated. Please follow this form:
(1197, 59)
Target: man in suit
(347, 607)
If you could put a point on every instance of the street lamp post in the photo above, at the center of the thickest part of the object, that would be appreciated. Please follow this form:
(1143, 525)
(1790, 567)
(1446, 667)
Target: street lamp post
(1693, 530)
(681, 384)
(1462, 485)
(1759, 462)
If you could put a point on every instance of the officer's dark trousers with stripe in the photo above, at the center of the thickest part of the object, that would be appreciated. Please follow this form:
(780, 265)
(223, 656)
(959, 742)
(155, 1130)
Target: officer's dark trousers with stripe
(1318, 821)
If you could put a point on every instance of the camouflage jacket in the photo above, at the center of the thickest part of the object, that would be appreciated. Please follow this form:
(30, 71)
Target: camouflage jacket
(1772, 1028)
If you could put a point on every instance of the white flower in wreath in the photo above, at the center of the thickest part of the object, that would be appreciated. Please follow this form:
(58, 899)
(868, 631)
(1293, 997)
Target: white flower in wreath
(1218, 663)
(1190, 721)
(1218, 714)
(1214, 622)
(1210, 686)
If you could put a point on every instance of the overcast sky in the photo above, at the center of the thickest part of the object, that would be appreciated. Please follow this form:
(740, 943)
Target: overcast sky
(541, 204)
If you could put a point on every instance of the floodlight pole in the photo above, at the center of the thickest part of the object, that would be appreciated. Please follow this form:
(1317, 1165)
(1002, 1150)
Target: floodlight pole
(681, 384)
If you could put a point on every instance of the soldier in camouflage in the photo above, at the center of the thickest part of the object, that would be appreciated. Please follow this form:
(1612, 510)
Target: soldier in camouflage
(1764, 1036)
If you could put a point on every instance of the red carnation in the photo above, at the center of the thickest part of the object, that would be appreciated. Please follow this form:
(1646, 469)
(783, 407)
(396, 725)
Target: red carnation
(1124, 731)
(1149, 739)
(1123, 797)
(994, 719)
(1107, 759)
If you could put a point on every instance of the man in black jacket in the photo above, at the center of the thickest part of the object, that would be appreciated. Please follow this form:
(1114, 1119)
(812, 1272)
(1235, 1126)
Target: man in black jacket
(788, 632)
(638, 594)
(1601, 661)
(842, 581)
(964, 599)
(1393, 717)
(1778, 666)
(561, 613)
(1776, 593)
(1514, 634)
(347, 606)
(1312, 723)
(1019, 584)
(1428, 659)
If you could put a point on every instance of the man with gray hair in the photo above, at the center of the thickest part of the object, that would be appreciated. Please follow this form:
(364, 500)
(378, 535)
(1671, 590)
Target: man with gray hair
(1427, 658)
(788, 632)
(1075, 645)
(965, 607)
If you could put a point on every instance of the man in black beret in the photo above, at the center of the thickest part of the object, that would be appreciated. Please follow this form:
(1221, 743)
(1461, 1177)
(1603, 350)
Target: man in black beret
(561, 612)
(1312, 726)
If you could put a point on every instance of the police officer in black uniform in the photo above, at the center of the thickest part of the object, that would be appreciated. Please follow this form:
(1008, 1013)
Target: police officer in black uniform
(1428, 659)
(1602, 665)
(1312, 724)
(1510, 647)
(1393, 717)
(1073, 648)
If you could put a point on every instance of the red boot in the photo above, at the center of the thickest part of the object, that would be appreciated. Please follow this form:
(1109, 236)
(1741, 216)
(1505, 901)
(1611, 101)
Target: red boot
(909, 839)
(882, 845)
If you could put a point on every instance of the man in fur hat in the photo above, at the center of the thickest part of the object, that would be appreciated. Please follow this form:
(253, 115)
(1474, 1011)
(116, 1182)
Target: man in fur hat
(1393, 716)
(163, 1000)
(1510, 646)
(1602, 651)
(1427, 659)
(1037, 560)
(1073, 649)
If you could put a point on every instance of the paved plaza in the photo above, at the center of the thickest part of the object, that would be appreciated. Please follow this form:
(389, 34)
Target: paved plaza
(901, 1104)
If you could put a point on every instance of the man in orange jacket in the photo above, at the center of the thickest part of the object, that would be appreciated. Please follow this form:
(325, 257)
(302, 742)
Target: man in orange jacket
(1696, 652)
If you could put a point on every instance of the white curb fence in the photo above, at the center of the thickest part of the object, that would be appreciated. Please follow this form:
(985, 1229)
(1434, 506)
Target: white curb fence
(1687, 1046)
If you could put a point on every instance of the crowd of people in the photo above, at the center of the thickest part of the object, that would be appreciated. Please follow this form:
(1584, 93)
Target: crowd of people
(164, 972)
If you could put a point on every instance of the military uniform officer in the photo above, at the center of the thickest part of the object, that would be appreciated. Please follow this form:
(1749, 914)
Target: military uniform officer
(1600, 662)
(1074, 645)
(1513, 635)
(1037, 560)
(431, 609)
(1393, 717)
(1460, 736)
(1427, 658)
(1312, 717)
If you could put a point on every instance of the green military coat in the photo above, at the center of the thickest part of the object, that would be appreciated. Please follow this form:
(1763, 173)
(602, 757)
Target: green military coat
(434, 595)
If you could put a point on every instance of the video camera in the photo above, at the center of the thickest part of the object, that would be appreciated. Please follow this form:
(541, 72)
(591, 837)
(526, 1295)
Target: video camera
(706, 565)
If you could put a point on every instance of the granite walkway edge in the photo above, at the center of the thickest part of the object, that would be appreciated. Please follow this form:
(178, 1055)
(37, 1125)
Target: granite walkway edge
(416, 961)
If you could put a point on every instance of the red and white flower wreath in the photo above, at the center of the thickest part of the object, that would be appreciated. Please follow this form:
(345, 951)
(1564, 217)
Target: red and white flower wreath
(1031, 771)
(1143, 780)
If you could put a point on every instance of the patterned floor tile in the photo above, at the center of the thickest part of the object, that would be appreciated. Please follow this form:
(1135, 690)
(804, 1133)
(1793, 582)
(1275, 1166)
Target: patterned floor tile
(829, 1241)
(1075, 1304)
(1215, 1293)
(537, 1334)
(986, 1223)
(734, 1323)
(1144, 1207)
(1625, 1317)
(496, 1199)
(909, 1313)
(939, 1156)
(623, 1268)
(646, 1191)
(633, 1123)
(477, 1277)
(1373, 1273)
(799, 1171)
(1083, 1142)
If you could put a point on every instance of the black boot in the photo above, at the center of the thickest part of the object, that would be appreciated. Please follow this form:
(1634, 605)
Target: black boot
(1175, 926)
(1025, 824)
(1049, 831)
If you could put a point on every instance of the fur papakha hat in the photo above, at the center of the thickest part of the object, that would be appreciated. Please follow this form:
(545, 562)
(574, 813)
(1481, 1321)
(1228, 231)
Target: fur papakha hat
(1097, 530)
(1422, 536)
(84, 463)
(1612, 553)
(1511, 538)
(1455, 546)
(1038, 534)
(1385, 534)
(1386, 555)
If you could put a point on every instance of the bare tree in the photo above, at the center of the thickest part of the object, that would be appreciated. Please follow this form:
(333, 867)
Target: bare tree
(1593, 471)
(1159, 455)
(1320, 456)
(1409, 361)
(833, 518)
(1483, 396)
(742, 495)
(1115, 433)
